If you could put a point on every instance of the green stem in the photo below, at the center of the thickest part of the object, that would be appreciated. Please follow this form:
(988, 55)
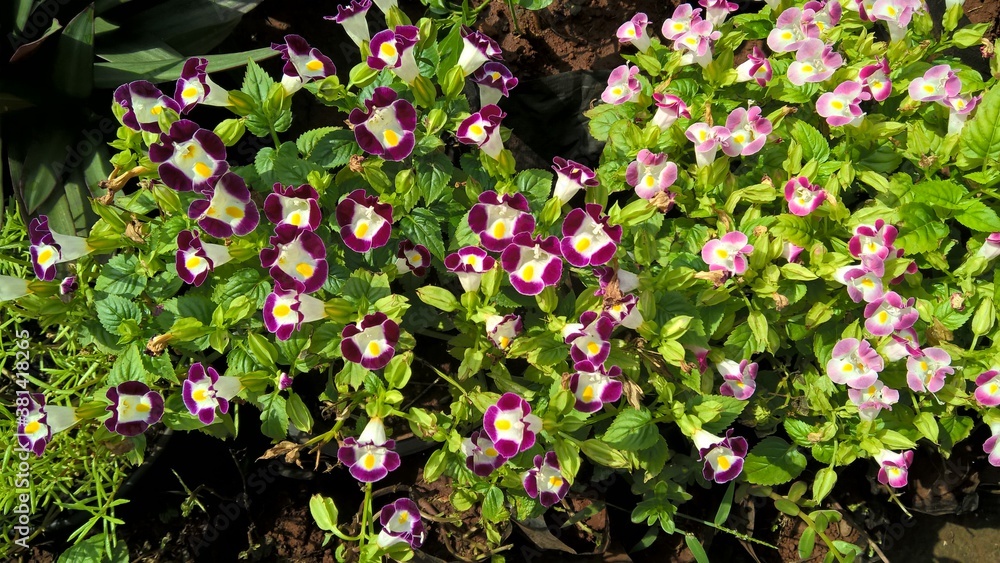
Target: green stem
(274, 137)
(367, 525)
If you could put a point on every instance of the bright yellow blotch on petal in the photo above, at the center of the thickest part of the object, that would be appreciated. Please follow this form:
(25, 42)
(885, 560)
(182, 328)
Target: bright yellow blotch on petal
(837, 105)
(282, 310)
(404, 517)
(45, 255)
(499, 229)
(871, 390)
(504, 341)
(305, 270)
(157, 110)
(472, 261)
(189, 92)
(199, 395)
(142, 407)
(477, 130)
(555, 482)
(528, 273)
(387, 50)
(391, 138)
(994, 388)
(374, 349)
(582, 244)
(491, 452)
(807, 68)
(361, 229)
(495, 76)
(32, 427)
(368, 461)
(192, 262)
(502, 424)
(314, 65)
(295, 219)
(722, 253)
(883, 317)
(202, 169)
(724, 462)
(929, 88)
(588, 393)
(593, 348)
(234, 212)
(848, 367)
(786, 35)
(867, 283)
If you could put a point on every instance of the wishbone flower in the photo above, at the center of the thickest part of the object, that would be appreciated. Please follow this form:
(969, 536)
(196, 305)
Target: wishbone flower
(650, 173)
(875, 80)
(227, 209)
(668, 109)
(498, 218)
(502, 330)
(814, 62)
(204, 391)
(365, 222)
(143, 103)
(533, 263)
(302, 63)
(295, 206)
(680, 22)
(571, 177)
(938, 83)
(477, 48)
(545, 481)
(927, 372)
(633, 32)
(510, 425)
(992, 445)
(296, 259)
(988, 388)
(35, 429)
(890, 313)
(469, 264)
(352, 17)
(593, 385)
(623, 86)
(723, 456)
(370, 342)
(196, 259)
(757, 67)
(385, 127)
(854, 363)
(483, 130)
(706, 139)
(189, 157)
(401, 523)
(495, 81)
(843, 105)
(727, 253)
(894, 467)
(134, 407)
(49, 248)
(285, 311)
(412, 257)
(393, 49)
(625, 312)
(590, 339)
(370, 456)
(195, 87)
(739, 378)
(873, 399)
(748, 132)
(803, 197)
(588, 240)
(481, 457)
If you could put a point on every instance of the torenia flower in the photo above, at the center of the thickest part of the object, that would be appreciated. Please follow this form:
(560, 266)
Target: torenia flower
(533, 263)
(412, 257)
(650, 173)
(143, 103)
(204, 391)
(896, 14)
(189, 157)
(727, 253)
(370, 342)
(588, 240)
(668, 109)
(365, 222)
(634, 32)
(874, 240)
(497, 219)
(893, 467)
(386, 5)
(477, 48)
(843, 105)
(483, 130)
(854, 363)
(589, 339)
(510, 425)
(871, 400)
(625, 312)
(68, 286)
(992, 445)
(369, 456)
(740, 379)
(545, 481)
(495, 81)
(296, 259)
(991, 247)
(706, 141)
(802, 196)
(698, 43)
(928, 372)
(571, 177)
(133, 408)
(385, 127)
(393, 49)
(401, 523)
(352, 17)
(938, 83)
(723, 456)
(502, 330)
(627, 281)
(823, 14)
(302, 63)
(227, 210)
(285, 311)
(903, 343)
(747, 132)
(196, 259)
(790, 252)
(791, 30)
(716, 11)
(680, 22)
(284, 381)
(814, 62)
(298, 207)
(594, 386)
(14, 288)
(35, 429)
(49, 248)
(959, 108)
(196, 87)
(875, 80)
(481, 457)
(469, 264)
(890, 313)
(862, 284)
(623, 86)
(757, 67)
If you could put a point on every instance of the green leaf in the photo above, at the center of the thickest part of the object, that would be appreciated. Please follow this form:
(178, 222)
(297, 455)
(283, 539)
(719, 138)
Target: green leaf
(978, 217)
(632, 430)
(334, 149)
(535, 184)
(814, 144)
(725, 506)
(434, 173)
(191, 26)
(324, 512)
(263, 351)
(92, 550)
(493, 505)
(128, 367)
(246, 282)
(307, 141)
(114, 309)
(697, 550)
(111, 75)
(825, 479)
(274, 416)
(798, 230)
(423, 226)
(980, 140)
(772, 462)
(119, 277)
(921, 230)
(939, 193)
(73, 71)
(807, 542)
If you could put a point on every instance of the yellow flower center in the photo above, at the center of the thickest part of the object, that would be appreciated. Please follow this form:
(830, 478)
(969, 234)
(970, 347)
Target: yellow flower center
(555, 482)
(234, 212)
(189, 92)
(528, 273)
(883, 317)
(374, 349)
(282, 310)
(305, 270)
(314, 65)
(387, 50)
(837, 105)
(724, 463)
(807, 68)
(199, 395)
(582, 244)
(588, 393)
(391, 138)
(193, 262)
(503, 424)
(722, 253)
(929, 88)
(45, 255)
(477, 130)
(368, 461)
(361, 229)
(32, 427)
(593, 348)
(504, 341)
(491, 452)
(202, 169)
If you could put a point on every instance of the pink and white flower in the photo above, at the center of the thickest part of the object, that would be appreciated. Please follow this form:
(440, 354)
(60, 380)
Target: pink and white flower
(991, 247)
(302, 63)
(370, 342)
(593, 385)
(298, 207)
(204, 391)
(497, 219)
(227, 209)
(481, 457)
(723, 456)
(988, 388)
(748, 132)
(668, 109)
(510, 425)
(401, 523)
(533, 263)
(412, 257)
(803, 197)
(385, 127)
(843, 105)
(571, 177)
(365, 222)
(634, 32)
(189, 157)
(854, 363)
(650, 173)
(959, 108)
(727, 253)
(370, 456)
(791, 30)
(739, 378)
(545, 481)
(823, 14)
(469, 264)
(144, 103)
(49, 248)
(927, 372)
(904, 343)
(894, 468)
(680, 22)
(716, 11)
(588, 240)
(790, 252)
(195, 87)
(814, 62)
(757, 67)
(896, 14)
(890, 313)
(697, 43)
(477, 48)
(875, 80)
(938, 83)
(296, 259)
(352, 17)
(502, 330)
(623, 86)
(393, 49)
(871, 400)
(285, 311)
(589, 339)
(862, 283)
(495, 81)
(196, 259)
(40, 421)
(992, 445)
(134, 407)
(483, 130)
(874, 240)
(706, 139)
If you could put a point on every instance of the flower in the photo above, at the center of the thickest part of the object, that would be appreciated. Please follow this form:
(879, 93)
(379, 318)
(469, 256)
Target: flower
(650, 173)
(874, 239)
(862, 284)
(872, 400)
(625, 312)
(481, 457)
(502, 330)
(893, 467)
(623, 86)
(385, 127)
(790, 251)
(571, 177)
(875, 80)
(747, 132)
(370, 342)
(889, 313)
(593, 385)
(588, 240)
(298, 207)
(49, 248)
(196, 87)
(590, 338)
(938, 83)
(706, 141)
(370, 456)
(352, 17)
(143, 103)
(723, 456)
(992, 445)
(959, 108)
(545, 481)
(988, 388)
(483, 130)
(286, 309)
(227, 209)
(533, 263)
(497, 219)
(401, 523)
(196, 259)
(302, 63)
(991, 247)
(680, 22)
(469, 264)
(716, 11)
(365, 222)
(668, 109)
(284, 381)
(634, 32)
(393, 49)
(740, 378)
(854, 363)
(814, 62)
(296, 259)
(791, 30)
(14, 288)
(385, 5)
(510, 424)
(727, 253)
(757, 67)
(412, 257)
(843, 105)
(928, 371)
(133, 408)
(495, 81)
(477, 48)
(903, 343)
(627, 281)
(68, 285)
(204, 391)
(698, 43)
(823, 14)
(40, 421)
(896, 14)
(189, 157)
(802, 196)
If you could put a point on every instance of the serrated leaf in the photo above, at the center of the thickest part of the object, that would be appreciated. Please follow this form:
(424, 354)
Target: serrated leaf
(772, 462)
(796, 230)
(274, 416)
(423, 226)
(119, 277)
(814, 144)
(434, 173)
(980, 140)
(939, 193)
(334, 149)
(112, 310)
(128, 367)
(921, 230)
(979, 217)
(307, 141)
(247, 282)
(632, 430)
(535, 184)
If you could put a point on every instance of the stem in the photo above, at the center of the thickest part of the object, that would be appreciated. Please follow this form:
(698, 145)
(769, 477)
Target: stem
(367, 524)
(513, 16)
(274, 137)
(821, 533)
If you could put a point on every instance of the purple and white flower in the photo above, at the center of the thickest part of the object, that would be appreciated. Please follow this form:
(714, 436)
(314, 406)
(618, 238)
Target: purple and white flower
(727, 253)
(926, 373)
(495, 81)
(352, 17)
(502, 330)
(874, 240)
(571, 177)
(803, 197)
(370, 342)
(814, 62)
(634, 32)
(823, 14)
(134, 407)
(843, 105)
(533, 263)
(680, 22)
(196, 259)
(650, 173)
(41, 421)
(723, 456)
(871, 400)
(875, 80)
(862, 283)
(412, 257)
(510, 425)
(385, 127)
(296, 259)
(144, 103)
(302, 63)
(189, 157)
(854, 363)
(545, 481)
(365, 222)
(401, 523)
(706, 139)
(757, 67)
(740, 379)
(593, 385)
(227, 209)
(285, 311)
(49, 248)
(890, 313)
(370, 456)
(589, 339)
(393, 49)
(988, 388)
(588, 240)
(481, 457)
(483, 130)
(938, 83)
(623, 86)
(668, 109)
(68, 286)
(477, 48)
(196, 87)
(469, 264)
(893, 467)
(295, 206)
(204, 391)
(748, 132)
(627, 281)
(625, 312)
(498, 219)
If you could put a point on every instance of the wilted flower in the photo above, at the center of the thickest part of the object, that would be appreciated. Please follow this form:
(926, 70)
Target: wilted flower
(67, 286)
(133, 408)
(502, 330)
(625, 312)
(680, 22)
(589, 339)
(723, 456)
(627, 281)
(875, 80)
(495, 81)
(510, 425)
(393, 49)
(35, 429)
(533, 263)
(369, 456)
(204, 391)
(412, 257)
(740, 379)
(196, 259)
(545, 481)
(370, 342)
(365, 222)
(285, 311)
(706, 141)
(790, 251)
(791, 30)
(385, 127)
(727, 253)
(469, 264)
(302, 63)
(49, 248)
(284, 381)
(854, 363)
(747, 132)
(668, 109)
(189, 157)
(296, 259)
(401, 523)
(872, 400)
(298, 207)
(757, 67)
(893, 467)
(481, 457)
(593, 385)
(623, 86)
(938, 83)
(802, 196)
(814, 62)
(477, 48)
(143, 103)
(927, 372)
(196, 87)
(571, 177)
(890, 313)
(352, 17)
(227, 209)
(650, 173)
(843, 105)
(483, 130)
(588, 240)
(634, 32)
